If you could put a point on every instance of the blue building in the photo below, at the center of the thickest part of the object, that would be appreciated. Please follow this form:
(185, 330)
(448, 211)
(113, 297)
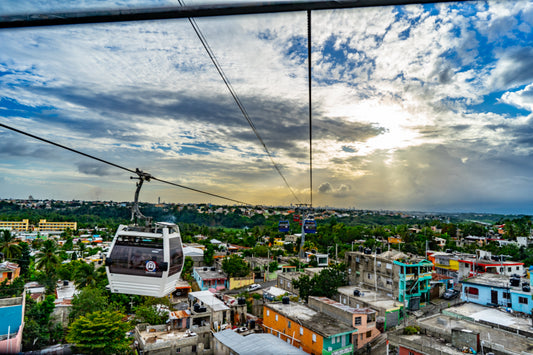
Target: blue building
(497, 290)
(210, 277)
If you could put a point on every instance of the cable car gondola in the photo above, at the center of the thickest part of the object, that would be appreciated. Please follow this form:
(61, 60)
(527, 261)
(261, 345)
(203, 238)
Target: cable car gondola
(284, 226)
(145, 260)
(310, 226)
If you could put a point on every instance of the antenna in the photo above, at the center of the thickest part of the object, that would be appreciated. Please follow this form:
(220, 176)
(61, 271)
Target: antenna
(135, 211)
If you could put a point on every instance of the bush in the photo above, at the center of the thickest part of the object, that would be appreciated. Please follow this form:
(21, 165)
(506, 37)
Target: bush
(410, 330)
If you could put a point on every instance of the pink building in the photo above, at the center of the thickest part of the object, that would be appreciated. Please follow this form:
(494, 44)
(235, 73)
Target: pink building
(362, 319)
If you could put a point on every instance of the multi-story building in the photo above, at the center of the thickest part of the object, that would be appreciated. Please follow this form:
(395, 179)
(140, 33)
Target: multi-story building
(401, 276)
(20, 226)
(12, 324)
(362, 319)
(313, 332)
(45, 226)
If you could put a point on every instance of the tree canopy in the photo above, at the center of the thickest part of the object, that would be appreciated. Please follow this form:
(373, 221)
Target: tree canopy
(100, 332)
(235, 266)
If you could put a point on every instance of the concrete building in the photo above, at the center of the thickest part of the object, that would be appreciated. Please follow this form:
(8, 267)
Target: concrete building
(390, 312)
(230, 342)
(45, 226)
(19, 226)
(313, 332)
(9, 271)
(286, 281)
(321, 259)
(11, 324)
(210, 277)
(362, 319)
(398, 275)
(485, 330)
(499, 290)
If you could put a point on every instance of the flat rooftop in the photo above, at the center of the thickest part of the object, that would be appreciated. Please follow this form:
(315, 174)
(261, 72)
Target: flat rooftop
(374, 299)
(492, 315)
(343, 306)
(209, 300)
(316, 321)
(151, 337)
(493, 337)
(497, 280)
(209, 274)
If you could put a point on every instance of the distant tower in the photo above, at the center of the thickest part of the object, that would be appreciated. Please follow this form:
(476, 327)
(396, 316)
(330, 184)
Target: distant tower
(159, 200)
(30, 197)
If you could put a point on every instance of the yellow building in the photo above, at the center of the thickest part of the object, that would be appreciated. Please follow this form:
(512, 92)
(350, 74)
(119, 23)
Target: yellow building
(22, 226)
(45, 226)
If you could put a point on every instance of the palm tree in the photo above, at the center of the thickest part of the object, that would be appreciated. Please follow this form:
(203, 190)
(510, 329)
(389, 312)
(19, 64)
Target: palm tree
(9, 246)
(47, 257)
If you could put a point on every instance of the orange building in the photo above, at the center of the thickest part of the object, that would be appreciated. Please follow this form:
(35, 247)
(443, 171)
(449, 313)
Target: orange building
(313, 332)
(9, 271)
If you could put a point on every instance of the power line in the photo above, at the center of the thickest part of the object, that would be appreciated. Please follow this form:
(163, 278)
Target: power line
(236, 98)
(119, 166)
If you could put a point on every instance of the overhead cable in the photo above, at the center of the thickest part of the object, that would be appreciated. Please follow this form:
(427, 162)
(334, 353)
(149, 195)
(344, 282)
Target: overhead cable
(236, 98)
(119, 166)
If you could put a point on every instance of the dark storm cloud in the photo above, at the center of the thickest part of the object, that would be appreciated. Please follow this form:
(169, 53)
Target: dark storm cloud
(520, 69)
(20, 147)
(282, 123)
(339, 192)
(98, 169)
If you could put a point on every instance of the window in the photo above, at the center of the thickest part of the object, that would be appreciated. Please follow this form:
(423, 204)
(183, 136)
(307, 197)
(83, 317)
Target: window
(268, 312)
(509, 269)
(518, 268)
(178, 350)
(301, 331)
(276, 317)
(388, 266)
(357, 321)
(288, 284)
(506, 295)
(289, 324)
(281, 282)
(522, 300)
(472, 292)
(369, 334)
(369, 276)
(314, 338)
(333, 340)
(379, 263)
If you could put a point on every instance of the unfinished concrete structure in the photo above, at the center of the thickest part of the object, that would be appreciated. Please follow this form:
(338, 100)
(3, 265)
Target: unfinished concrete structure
(401, 276)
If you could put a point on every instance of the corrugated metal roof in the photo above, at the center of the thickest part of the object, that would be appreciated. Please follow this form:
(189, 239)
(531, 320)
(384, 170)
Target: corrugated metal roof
(265, 344)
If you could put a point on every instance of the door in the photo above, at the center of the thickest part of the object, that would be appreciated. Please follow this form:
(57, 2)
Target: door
(494, 297)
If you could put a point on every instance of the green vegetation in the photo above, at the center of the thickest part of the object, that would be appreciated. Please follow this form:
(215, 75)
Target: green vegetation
(325, 283)
(100, 332)
(235, 266)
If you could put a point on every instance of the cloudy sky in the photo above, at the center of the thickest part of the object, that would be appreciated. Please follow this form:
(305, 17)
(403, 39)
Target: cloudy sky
(415, 108)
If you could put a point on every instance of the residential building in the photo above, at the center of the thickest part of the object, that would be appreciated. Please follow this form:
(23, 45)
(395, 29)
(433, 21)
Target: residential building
(210, 277)
(11, 324)
(45, 226)
(321, 259)
(286, 281)
(362, 319)
(499, 290)
(9, 271)
(231, 342)
(313, 332)
(390, 312)
(20, 226)
(399, 275)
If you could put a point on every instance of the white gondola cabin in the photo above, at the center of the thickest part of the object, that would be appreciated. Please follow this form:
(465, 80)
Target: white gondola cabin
(145, 261)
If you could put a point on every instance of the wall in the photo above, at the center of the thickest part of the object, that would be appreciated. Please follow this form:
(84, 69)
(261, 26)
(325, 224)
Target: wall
(238, 282)
(301, 336)
(521, 307)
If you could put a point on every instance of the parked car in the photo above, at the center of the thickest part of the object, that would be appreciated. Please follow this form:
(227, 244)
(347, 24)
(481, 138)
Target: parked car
(254, 287)
(450, 293)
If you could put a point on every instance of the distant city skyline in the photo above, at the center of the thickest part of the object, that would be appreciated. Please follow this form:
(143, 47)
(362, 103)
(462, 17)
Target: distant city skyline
(416, 108)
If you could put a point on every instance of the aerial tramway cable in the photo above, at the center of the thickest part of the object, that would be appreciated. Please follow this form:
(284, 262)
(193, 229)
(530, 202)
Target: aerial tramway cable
(236, 98)
(120, 166)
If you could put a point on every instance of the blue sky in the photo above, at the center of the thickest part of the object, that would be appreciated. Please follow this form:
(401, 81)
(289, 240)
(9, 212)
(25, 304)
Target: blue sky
(415, 108)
